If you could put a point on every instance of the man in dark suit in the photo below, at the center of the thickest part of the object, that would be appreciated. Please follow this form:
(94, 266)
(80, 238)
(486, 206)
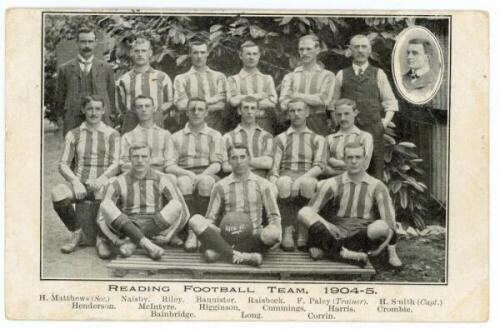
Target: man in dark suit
(83, 76)
(369, 87)
(420, 78)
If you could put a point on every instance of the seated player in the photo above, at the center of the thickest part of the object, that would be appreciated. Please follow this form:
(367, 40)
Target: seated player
(196, 162)
(250, 134)
(344, 115)
(93, 148)
(299, 158)
(141, 203)
(239, 200)
(351, 231)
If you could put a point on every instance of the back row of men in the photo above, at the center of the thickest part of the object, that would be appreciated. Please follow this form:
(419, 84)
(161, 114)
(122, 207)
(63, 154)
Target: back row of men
(367, 85)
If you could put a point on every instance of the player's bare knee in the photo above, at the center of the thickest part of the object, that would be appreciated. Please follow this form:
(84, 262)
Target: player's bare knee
(308, 187)
(172, 212)
(205, 185)
(307, 216)
(270, 237)
(284, 185)
(185, 185)
(198, 224)
(378, 230)
(171, 178)
(61, 192)
(109, 211)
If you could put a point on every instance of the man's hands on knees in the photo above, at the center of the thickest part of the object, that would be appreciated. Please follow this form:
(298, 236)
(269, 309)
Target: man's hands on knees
(296, 186)
(271, 235)
(79, 189)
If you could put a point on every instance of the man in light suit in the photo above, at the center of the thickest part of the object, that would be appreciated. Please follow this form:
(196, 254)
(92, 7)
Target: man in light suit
(83, 76)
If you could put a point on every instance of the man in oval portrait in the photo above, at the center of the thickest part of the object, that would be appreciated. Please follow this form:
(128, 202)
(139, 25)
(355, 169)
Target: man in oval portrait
(421, 78)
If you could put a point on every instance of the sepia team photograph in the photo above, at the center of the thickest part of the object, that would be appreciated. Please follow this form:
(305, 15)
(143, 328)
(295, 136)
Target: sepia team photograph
(238, 147)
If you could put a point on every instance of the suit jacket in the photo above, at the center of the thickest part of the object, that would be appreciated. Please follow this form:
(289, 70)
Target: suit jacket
(69, 92)
(422, 86)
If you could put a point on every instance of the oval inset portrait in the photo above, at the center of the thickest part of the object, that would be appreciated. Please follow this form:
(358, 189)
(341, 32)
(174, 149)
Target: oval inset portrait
(417, 64)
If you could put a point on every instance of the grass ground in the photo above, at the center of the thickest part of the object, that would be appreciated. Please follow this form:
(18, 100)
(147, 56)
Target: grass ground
(423, 258)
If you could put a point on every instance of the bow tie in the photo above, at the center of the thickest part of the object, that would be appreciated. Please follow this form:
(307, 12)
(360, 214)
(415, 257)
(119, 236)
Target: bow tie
(84, 62)
(414, 76)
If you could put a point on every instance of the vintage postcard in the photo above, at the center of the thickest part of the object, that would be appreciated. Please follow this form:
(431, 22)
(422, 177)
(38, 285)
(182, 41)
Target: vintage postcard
(247, 165)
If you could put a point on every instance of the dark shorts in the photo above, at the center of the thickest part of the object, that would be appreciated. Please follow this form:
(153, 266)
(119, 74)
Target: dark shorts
(252, 244)
(147, 223)
(356, 240)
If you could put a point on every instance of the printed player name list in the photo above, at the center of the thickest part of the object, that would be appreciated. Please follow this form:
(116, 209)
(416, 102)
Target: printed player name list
(239, 302)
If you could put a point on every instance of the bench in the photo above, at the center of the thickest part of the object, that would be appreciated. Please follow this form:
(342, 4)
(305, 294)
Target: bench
(276, 265)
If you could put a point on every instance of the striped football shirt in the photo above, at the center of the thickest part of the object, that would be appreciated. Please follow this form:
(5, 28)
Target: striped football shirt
(259, 141)
(318, 82)
(298, 151)
(158, 139)
(356, 200)
(245, 83)
(153, 83)
(147, 195)
(193, 84)
(251, 196)
(95, 153)
(336, 142)
(195, 150)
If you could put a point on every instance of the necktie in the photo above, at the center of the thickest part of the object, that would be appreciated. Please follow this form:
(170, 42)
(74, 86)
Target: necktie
(360, 71)
(413, 75)
(86, 65)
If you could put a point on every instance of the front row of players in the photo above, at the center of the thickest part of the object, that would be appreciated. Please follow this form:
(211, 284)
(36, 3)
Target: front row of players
(170, 182)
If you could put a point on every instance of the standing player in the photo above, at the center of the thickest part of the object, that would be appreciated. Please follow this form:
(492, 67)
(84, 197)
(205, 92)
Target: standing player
(258, 141)
(310, 83)
(369, 87)
(83, 76)
(251, 82)
(94, 149)
(196, 162)
(202, 82)
(143, 80)
(354, 194)
(299, 158)
(345, 114)
(141, 203)
(239, 200)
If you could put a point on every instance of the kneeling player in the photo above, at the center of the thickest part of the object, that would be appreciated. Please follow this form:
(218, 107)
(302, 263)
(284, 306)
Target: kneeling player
(142, 203)
(354, 194)
(94, 149)
(239, 199)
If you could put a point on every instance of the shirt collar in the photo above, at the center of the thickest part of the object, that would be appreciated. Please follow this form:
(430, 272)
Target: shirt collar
(362, 67)
(346, 179)
(292, 130)
(420, 72)
(148, 70)
(193, 71)
(100, 127)
(232, 179)
(188, 130)
(240, 128)
(243, 73)
(354, 130)
(139, 127)
(150, 174)
(301, 68)
(82, 60)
